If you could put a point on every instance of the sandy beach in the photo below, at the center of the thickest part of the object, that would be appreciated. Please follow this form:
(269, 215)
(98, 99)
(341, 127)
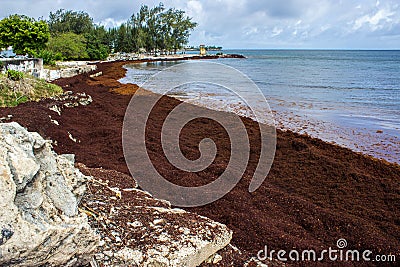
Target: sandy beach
(315, 193)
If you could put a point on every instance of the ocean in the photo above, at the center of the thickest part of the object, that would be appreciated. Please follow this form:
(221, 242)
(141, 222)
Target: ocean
(350, 98)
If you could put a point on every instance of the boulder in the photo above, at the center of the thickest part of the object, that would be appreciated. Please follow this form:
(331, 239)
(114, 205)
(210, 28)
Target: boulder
(139, 230)
(40, 191)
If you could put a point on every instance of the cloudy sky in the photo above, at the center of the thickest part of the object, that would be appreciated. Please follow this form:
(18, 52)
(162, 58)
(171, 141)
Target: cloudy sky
(365, 24)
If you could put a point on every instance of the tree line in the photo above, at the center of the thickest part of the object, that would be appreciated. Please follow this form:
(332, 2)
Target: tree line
(73, 35)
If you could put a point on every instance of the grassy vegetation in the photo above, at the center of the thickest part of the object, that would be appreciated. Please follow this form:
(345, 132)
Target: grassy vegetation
(28, 88)
(9, 98)
(15, 75)
(43, 89)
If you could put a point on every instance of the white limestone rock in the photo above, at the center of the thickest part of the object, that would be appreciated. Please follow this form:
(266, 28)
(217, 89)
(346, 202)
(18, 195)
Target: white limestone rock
(39, 194)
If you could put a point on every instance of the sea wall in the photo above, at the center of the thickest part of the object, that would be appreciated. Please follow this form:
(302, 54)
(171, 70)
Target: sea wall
(32, 66)
(51, 75)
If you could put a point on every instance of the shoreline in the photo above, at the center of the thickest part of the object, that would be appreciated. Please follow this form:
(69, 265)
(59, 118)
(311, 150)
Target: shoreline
(379, 144)
(315, 193)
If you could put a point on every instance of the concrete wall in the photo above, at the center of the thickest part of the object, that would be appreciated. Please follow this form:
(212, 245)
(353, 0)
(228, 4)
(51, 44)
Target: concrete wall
(51, 75)
(32, 66)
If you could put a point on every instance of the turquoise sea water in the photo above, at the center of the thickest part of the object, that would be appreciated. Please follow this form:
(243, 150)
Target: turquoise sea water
(348, 97)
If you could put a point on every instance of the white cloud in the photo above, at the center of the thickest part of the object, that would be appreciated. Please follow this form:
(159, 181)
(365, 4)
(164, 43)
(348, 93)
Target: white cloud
(375, 21)
(194, 8)
(111, 23)
(251, 31)
(325, 27)
(276, 31)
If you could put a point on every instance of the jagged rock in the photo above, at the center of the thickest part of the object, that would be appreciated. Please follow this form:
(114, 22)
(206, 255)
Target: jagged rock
(214, 259)
(97, 74)
(39, 194)
(139, 230)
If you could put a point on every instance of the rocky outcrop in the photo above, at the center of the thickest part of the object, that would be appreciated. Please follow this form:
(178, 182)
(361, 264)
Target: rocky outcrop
(44, 210)
(139, 230)
(39, 194)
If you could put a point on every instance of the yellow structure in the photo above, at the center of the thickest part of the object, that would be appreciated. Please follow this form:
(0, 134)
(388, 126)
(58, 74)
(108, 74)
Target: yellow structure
(203, 50)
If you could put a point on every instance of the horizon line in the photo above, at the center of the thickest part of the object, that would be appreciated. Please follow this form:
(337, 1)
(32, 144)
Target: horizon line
(322, 49)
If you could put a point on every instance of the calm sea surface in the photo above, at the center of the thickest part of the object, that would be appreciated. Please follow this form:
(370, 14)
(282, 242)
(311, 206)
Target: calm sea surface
(351, 98)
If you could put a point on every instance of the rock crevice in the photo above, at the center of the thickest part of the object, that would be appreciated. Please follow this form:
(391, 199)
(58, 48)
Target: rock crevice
(39, 196)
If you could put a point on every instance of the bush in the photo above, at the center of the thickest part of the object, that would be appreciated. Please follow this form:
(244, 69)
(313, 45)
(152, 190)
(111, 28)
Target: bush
(70, 45)
(15, 75)
(49, 57)
(99, 52)
(23, 33)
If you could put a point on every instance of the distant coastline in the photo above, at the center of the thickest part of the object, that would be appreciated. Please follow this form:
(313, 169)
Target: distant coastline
(208, 48)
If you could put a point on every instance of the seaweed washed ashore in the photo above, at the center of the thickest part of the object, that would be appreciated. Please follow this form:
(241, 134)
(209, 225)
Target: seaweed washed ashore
(314, 194)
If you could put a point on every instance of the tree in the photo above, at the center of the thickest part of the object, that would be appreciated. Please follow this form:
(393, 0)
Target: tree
(112, 36)
(157, 29)
(63, 21)
(140, 28)
(81, 24)
(70, 45)
(154, 28)
(124, 41)
(175, 29)
(97, 46)
(181, 27)
(24, 34)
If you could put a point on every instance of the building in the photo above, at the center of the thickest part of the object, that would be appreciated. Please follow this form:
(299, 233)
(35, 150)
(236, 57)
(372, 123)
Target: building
(203, 50)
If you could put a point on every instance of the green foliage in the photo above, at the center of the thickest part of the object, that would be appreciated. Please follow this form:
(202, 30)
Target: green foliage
(97, 43)
(49, 57)
(124, 39)
(80, 23)
(153, 29)
(9, 98)
(175, 34)
(15, 75)
(74, 36)
(70, 45)
(24, 34)
(63, 21)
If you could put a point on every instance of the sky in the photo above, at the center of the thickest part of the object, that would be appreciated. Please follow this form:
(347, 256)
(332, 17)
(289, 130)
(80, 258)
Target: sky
(254, 24)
